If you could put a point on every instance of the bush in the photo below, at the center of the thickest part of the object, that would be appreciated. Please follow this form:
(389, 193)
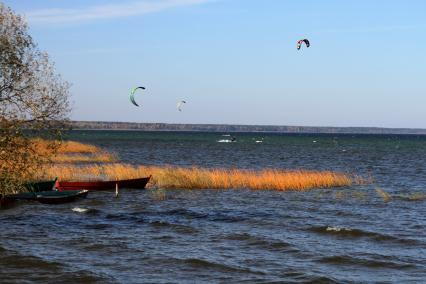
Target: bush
(34, 101)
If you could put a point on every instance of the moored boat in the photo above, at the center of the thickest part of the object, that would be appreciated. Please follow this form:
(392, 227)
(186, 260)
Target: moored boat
(5, 202)
(40, 185)
(138, 183)
(59, 197)
(49, 197)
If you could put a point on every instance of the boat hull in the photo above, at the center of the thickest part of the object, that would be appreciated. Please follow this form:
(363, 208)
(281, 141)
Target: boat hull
(6, 202)
(58, 199)
(138, 183)
(49, 197)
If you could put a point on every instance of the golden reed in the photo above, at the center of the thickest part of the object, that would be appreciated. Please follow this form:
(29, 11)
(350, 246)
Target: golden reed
(68, 164)
(201, 178)
(64, 147)
(74, 152)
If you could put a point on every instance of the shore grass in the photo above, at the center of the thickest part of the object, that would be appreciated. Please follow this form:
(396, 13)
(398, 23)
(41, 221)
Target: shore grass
(79, 161)
(101, 157)
(201, 178)
(65, 147)
(74, 152)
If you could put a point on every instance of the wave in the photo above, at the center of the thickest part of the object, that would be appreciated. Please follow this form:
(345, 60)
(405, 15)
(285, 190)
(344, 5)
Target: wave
(79, 210)
(337, 229)
(17, 268)
(367, 262)
(224, 215)
(183, 212)
(185, 229)
(260, 242)
(211, 216)
(198, 263)
(126, 218)
(100, 226)
(85, 210)
(226, 141)
(358, 233)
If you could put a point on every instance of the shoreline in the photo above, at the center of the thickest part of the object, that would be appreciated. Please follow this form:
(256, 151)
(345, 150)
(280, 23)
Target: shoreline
(239, 128)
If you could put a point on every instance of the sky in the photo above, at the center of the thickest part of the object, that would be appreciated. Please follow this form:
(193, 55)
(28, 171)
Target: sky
(236, 62)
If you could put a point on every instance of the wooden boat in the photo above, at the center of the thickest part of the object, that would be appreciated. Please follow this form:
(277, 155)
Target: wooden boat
(40, 185)
(49, 197)
(6, 202)
(59, 197)
(138, 183)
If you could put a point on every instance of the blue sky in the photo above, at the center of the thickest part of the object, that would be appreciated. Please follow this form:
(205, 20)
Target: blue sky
(235, 61)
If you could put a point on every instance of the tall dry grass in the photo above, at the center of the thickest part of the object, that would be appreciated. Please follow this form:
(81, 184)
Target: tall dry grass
(200, 178)
(73, 152)
(64, 147)
(70, 153)
(101, 157)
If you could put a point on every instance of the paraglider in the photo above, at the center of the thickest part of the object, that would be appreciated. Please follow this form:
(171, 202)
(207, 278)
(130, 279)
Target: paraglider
(179, 105)
(132, 95)
(299, 43)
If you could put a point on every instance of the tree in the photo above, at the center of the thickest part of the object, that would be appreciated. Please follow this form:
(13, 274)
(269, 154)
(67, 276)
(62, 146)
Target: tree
(34, 101)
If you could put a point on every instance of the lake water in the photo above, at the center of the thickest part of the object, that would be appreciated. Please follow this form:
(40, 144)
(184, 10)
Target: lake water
(344, 235)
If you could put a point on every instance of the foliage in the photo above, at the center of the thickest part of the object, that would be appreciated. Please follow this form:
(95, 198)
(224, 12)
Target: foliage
(33, 101)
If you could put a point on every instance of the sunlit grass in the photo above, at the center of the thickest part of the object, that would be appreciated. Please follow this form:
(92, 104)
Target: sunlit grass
(101, 157)
(73, 152)
(200, 178)
(76, 161)
(77, 147)
(64, 147)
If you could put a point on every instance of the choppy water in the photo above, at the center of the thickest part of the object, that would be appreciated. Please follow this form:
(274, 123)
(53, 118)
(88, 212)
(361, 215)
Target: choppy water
(346, 235)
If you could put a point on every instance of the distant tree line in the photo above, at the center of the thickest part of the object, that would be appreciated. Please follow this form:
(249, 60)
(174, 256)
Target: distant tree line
(105, 125)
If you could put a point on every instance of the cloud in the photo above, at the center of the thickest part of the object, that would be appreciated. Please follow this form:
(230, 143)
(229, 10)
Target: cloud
(110, 11)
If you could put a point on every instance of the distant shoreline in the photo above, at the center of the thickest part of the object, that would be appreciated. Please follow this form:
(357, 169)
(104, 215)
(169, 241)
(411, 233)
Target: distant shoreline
(106, 125)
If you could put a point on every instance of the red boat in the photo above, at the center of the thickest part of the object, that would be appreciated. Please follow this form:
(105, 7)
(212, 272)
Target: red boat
(138, 183)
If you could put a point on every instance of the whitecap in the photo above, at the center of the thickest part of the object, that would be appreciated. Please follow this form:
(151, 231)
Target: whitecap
(337, 229)
(225, 141)
(80, 210)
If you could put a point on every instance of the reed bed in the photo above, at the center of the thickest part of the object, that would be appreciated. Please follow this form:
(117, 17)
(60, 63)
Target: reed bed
(73, 152)
(77, 147)
(64, 147)
(102, 157)
(201, 178)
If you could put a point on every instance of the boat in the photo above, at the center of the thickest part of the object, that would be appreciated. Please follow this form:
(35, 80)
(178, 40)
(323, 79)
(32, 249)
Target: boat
(138, 183)
(6, 202)
(40, 185)
(49, 197)
(59, 197)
